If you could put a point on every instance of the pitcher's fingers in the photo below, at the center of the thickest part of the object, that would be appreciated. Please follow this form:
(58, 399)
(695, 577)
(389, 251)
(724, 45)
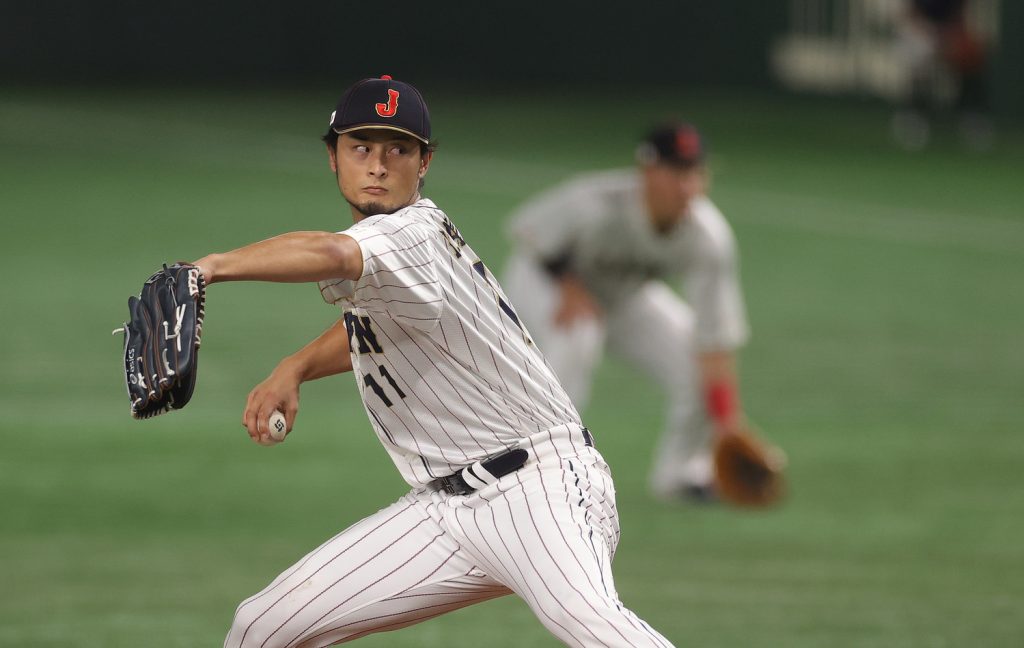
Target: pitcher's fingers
(263, 422)
(251, 423)
(245, 410)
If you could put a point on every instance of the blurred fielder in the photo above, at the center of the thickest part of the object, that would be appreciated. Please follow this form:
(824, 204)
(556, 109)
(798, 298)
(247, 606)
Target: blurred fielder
(589, 270)
(942, 47)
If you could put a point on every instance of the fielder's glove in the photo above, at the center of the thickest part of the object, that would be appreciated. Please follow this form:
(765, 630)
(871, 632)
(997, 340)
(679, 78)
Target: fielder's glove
(161, 340)
(748, 472)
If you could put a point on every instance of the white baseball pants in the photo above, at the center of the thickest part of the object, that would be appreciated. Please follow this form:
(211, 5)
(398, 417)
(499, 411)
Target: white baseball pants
(546, 532)
(654, 332)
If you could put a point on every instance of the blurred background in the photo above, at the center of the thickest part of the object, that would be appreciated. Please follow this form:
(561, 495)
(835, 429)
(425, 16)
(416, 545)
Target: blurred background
(872, 171)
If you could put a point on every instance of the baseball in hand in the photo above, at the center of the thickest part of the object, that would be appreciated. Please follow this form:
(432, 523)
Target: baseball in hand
(278, 427)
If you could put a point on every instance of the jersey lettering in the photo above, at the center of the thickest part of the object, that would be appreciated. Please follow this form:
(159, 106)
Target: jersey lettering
(372, 383)
(377, 389)
(394, 385)
(453, 237)
(505, 307)
(455, 241)
(360, 329)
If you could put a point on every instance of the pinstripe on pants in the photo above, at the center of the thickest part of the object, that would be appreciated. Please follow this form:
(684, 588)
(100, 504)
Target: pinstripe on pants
(546, 533)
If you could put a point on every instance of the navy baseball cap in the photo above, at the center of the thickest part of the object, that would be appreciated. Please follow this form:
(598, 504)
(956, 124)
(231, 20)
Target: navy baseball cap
(383, 103)
(675, 144)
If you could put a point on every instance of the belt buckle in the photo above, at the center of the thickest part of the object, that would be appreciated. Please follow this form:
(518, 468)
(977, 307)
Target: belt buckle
(454, 484)
(493, 468)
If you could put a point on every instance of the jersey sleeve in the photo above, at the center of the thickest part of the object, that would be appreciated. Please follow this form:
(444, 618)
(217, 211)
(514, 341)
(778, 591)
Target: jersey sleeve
(712, 287)
(399, 279)
(548, 226)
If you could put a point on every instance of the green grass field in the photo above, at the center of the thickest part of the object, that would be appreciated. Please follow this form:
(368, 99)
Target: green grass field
(885, 295)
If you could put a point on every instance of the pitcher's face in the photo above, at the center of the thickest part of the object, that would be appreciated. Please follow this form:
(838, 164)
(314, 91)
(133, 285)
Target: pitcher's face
(378, 170)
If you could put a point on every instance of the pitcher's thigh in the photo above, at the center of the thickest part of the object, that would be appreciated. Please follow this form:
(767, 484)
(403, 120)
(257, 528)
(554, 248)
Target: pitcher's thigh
(549, 535)
(390, 570)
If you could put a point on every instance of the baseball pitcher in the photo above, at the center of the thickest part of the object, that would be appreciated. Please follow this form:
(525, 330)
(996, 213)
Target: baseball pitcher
(508, 493)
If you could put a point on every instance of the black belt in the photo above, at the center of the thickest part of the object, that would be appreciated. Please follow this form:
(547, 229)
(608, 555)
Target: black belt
(482, 473)
(473, 478)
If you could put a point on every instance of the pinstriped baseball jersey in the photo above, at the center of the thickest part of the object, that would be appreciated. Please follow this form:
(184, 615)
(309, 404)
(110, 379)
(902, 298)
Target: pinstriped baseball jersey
(446, 371)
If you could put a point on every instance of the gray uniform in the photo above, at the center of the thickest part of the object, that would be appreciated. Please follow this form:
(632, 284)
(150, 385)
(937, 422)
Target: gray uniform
(597, 225)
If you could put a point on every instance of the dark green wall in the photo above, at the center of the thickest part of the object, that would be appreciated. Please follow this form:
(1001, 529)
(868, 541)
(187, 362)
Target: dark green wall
(1008, 62)
(719, 42)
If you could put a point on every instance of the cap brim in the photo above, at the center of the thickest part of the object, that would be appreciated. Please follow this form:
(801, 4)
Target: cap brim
(405, 131)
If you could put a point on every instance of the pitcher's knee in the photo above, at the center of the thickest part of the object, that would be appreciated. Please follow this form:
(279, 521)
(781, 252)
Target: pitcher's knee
(252, 627)
(577, 621)
(598, 621)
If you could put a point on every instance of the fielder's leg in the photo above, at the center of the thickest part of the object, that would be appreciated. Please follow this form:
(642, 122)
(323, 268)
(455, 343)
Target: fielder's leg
(392, 569)
(572, 352)
(654, 331)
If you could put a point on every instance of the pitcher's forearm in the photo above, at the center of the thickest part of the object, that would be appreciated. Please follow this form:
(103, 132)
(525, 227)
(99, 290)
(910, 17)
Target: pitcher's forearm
(327, 355)
(289, 258)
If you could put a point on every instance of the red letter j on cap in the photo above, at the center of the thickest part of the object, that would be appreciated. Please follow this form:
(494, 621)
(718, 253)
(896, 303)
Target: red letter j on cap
(391, 107)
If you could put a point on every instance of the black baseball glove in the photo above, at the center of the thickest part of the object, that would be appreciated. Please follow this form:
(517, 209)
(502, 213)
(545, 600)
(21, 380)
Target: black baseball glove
(161, 340)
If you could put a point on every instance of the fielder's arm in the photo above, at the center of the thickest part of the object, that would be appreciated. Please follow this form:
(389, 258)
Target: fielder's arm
(721, 390)
(289, 258)
(327, 355)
